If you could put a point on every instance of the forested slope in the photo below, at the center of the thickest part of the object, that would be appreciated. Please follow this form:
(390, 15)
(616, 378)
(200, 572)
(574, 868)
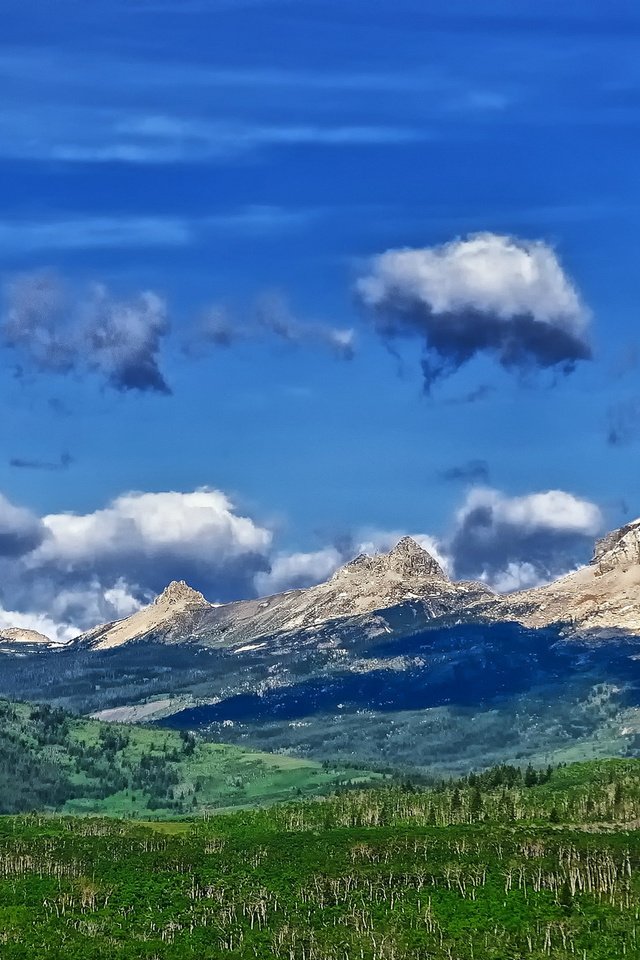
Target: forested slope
(508, 865)
(50, 760)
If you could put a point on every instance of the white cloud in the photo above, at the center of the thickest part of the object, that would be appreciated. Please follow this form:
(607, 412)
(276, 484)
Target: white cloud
(199, 526)
(489, 273)
(513, 542)
(552, 510)
(487, 293)
(95, 567)
(292, 570)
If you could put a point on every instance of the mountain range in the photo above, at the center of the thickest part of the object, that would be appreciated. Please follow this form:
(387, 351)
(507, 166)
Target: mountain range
(602, 597)
(388, 661)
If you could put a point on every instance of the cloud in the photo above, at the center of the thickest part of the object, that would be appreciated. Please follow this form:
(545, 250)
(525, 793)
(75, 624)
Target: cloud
(70, 571)
(623, 422)
(149, 535)
(270, 319)
(473, 471)
(94, 233)
(531, 538)
(481, 392)
(290, 571)
(22, 463)
(82, 134)
(53, 329)
(20, 530)
(82, 569)
(487, 294)
(276, 319)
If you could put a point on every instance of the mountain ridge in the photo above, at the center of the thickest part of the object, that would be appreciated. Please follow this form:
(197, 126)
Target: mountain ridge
(603, 596)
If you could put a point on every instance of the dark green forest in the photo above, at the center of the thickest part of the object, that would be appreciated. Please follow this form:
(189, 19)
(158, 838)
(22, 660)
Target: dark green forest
(509, 864)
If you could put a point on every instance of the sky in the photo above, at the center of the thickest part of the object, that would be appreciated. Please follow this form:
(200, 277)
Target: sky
(281, 281)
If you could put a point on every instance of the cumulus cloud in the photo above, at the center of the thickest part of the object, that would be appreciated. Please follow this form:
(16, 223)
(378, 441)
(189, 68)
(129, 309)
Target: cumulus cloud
(82, 569)
(492, 294)
(516, 541)
(272, 319)
(52, 328)
(151, 535)
(472, 471)
(291, 571)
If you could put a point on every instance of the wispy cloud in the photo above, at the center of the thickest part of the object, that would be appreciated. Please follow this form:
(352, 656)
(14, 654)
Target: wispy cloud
(22, 463)
(472, 471)
(92, 233)
(269, 318)
(82, 134)
(52, 328)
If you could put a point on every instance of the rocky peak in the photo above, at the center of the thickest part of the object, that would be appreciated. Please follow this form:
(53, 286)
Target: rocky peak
(409, 559)
(179, 592)
(619, 549)
(22, 635)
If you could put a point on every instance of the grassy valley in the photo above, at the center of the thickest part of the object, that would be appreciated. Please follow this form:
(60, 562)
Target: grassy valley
(50, 760)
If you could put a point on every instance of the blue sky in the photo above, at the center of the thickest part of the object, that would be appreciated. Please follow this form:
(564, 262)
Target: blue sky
(231, 155)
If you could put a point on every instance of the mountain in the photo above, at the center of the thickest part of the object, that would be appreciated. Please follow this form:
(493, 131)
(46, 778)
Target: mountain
(388, 662)
(20, 642)
(600, 600)
(51, 760)
(173, 614)
(365, 584)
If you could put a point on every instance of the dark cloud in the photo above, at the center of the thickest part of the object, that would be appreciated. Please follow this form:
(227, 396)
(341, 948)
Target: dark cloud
(22, 463)
(487, 294)
(473, 471)
(20, 531)
(520, 541)
(623, 423)
(54, 329)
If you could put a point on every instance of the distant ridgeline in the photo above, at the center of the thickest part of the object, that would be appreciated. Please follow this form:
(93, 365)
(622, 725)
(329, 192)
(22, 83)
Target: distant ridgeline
(390, 663)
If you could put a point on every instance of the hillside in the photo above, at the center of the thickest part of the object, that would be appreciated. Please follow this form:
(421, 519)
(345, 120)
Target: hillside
(510, 865)
(50, 760)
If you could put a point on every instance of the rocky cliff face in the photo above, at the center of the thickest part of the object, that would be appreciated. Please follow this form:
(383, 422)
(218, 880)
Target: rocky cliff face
(599, 600)
(175, 611)
(365, 584)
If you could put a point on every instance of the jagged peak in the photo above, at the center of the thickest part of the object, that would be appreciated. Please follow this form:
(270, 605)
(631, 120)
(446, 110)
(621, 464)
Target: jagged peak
(619, 549)
(178, 591)
(412, 559)
(407, 558)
